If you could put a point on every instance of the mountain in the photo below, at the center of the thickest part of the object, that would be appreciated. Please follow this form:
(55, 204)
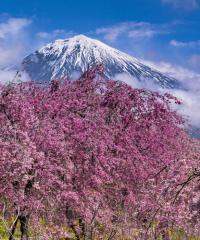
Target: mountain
(62, 58)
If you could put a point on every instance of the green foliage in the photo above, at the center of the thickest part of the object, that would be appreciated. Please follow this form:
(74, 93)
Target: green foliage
(174, 234)
(181, 235)
(4, 234)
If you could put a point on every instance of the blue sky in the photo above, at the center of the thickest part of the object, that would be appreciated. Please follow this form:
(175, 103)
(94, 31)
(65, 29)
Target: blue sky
(157, 30)
(163, 33)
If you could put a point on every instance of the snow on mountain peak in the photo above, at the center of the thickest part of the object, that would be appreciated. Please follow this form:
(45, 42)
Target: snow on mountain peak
(61, 58)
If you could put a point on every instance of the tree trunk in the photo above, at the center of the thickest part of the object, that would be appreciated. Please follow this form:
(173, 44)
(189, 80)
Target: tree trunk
(12, 231)
(82, 227)
(75, 232)
(24, 227)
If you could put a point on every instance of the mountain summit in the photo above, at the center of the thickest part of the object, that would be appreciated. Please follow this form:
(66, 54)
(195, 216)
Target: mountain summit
(62, 58)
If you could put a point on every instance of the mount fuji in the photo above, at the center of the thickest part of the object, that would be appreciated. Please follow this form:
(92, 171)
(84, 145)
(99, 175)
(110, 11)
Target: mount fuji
(62, 58)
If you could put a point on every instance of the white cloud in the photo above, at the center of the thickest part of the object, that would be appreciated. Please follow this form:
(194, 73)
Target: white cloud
(190, 95)
(112, 33)
(189, 79)
(135, 83)
(194, 61)
(13, 26)
(124, 77)
(12, 40)
(180, 44)
(142, 34)
(14, 44)
(10, 75)
(134, 30)
(7, 76)
(183, 4)
(11, 54)
(16, 41)
(75, 75)
(57, 33)
(190, 107)
(43, 35)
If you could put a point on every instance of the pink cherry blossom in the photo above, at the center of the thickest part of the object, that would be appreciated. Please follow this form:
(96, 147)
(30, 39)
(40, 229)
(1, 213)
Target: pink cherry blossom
(96, 151)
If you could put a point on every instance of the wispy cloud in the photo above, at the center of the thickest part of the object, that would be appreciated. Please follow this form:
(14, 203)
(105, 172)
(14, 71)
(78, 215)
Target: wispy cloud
(182, 4)
(12, 40)
(112, 33)
(17, 40)
(14, 44)
(57, 33)
(10, 75)
(194, 61)
(13, 26)
(190, 94)
(180, 44)
(133, 30)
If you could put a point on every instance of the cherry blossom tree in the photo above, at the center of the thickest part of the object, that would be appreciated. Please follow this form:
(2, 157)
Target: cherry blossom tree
(95, 155)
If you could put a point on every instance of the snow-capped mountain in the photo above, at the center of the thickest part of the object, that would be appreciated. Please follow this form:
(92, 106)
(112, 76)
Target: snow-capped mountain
(62, 58)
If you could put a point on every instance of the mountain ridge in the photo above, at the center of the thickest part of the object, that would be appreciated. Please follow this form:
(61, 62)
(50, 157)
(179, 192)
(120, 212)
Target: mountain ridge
(61, 58)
